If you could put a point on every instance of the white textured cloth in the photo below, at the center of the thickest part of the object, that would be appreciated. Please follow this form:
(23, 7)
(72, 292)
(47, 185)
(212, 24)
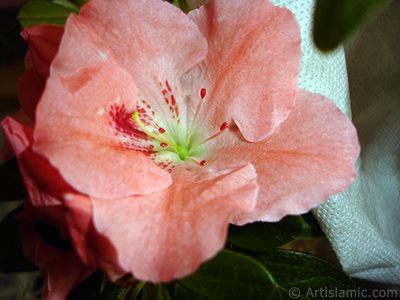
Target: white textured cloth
(362, 223)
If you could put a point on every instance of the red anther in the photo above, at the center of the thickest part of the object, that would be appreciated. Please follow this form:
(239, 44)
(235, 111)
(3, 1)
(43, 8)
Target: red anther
(161, 130)
(164, 145)
(151, 147)
(223, 126)
(203, 163)
(203, 93)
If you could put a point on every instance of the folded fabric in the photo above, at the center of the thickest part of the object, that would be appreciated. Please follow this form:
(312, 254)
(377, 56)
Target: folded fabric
(362, 222)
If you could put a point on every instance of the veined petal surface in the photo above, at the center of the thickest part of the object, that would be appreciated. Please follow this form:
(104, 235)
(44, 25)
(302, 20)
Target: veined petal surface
(76, 130)
(152, 40)
(308, 158)
(251, 67)
(168, 234)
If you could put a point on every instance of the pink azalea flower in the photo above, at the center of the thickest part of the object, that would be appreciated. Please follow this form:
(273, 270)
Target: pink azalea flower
(62, 270)
(159, 129)
(43, 42)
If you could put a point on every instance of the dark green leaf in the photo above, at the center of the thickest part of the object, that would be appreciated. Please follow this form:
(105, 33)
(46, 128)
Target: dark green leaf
(334, 20)
(12, 258)
(90, 290)
(262, 236)
(178, 292)
(52, 236)
(311, 228)
(230, 276)
(111, 292)
(55, 12)
(312, 277)
(155, 292)
(133, 291)
(11, 184)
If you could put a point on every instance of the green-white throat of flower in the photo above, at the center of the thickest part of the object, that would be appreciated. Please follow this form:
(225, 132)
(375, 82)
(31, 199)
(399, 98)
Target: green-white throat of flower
(167, 142)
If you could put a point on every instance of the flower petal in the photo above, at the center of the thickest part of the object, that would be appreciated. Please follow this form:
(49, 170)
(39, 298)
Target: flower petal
(7, 150)
(168, 234)
(54, 201)
(252, 64)
(43, 42)
(151, 39)
(44, 188)
(73, 131)
(94, 249)
(30, 87)
(62, 270)
(20, 136)
(308, 158)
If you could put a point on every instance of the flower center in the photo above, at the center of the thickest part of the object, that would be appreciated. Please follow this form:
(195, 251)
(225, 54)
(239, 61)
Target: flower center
(165, 142)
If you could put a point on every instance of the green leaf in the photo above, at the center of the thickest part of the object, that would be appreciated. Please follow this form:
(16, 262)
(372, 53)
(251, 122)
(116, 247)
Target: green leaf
(55, 12)
(230, 276)
(311, 228)
(183, 5)
(12, 258)
(111, 292)
(66, 4)
(309, 276)
(334, 20)
(178, 292)
(262, 236)
(11, 184)
(274, 275)
(80, 2)
(52, 236)
(133, 291)
(155, 292)
(90, 288)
